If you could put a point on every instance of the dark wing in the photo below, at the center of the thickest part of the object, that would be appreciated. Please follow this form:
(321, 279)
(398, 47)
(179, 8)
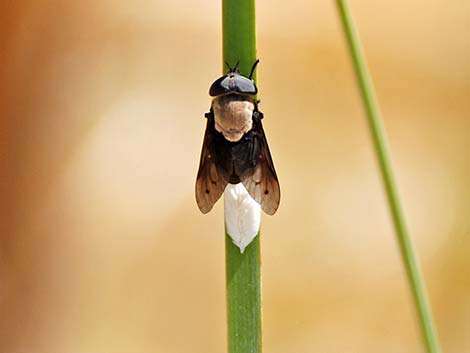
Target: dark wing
(211, 179)
(261, 180)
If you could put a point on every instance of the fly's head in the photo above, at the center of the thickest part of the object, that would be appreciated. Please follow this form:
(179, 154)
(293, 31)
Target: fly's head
(234, 83)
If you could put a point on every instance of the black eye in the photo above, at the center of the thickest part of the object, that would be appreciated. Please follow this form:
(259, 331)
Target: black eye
(220, 86)
(233, 83)
(245, 85)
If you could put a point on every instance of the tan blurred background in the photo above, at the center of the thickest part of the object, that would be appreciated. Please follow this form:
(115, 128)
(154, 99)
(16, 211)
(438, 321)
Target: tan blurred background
(102, 247)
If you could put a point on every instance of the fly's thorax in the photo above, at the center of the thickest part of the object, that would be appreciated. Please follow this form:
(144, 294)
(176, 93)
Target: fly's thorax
(233, 115)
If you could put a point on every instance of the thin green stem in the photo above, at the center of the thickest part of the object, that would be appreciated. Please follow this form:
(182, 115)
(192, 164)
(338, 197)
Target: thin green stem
(239, 36)
(409, 258)
(243, 275)
(243, 297)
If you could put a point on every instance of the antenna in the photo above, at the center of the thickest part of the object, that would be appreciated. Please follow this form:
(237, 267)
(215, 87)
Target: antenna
(236, 69)
(253, 68)
(233, 69)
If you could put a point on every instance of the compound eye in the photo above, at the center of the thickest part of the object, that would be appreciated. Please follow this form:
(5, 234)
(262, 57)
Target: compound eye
(233, 83)
(245, 85)
(220, 86)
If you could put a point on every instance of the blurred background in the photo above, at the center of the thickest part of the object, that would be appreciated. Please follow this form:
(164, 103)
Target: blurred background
(102, 246)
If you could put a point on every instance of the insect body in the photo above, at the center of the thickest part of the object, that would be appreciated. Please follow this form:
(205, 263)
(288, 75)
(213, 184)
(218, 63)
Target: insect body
(235, 148)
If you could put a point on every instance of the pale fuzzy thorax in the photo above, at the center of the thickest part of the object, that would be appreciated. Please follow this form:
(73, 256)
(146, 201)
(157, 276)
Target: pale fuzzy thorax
(233, 116)
(242, 215)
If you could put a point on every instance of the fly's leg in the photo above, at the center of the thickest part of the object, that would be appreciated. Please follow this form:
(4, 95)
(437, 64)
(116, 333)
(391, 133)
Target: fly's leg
(209, 114)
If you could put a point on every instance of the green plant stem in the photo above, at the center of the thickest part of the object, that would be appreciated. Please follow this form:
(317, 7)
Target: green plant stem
(243, 297)
(239, 36)
(243, 276)
(410, 262)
